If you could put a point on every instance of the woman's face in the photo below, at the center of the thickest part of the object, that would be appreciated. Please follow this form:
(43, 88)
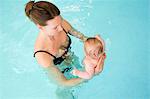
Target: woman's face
(53, 27)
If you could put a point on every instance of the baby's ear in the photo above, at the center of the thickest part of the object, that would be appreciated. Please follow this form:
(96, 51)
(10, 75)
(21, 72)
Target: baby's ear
(39, 26)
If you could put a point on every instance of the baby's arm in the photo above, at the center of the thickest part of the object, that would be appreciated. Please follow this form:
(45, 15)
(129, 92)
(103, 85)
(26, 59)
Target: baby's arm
(84, 74)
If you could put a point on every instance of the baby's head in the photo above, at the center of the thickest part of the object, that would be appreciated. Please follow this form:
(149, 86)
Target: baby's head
(93, 47)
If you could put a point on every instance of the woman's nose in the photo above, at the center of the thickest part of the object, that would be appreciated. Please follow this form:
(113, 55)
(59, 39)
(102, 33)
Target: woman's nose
(60, 28)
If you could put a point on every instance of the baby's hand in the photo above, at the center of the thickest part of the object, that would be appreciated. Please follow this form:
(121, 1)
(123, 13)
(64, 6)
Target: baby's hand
(74, 71)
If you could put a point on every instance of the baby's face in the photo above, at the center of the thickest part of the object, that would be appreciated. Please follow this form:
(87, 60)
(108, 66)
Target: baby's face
(94, 51)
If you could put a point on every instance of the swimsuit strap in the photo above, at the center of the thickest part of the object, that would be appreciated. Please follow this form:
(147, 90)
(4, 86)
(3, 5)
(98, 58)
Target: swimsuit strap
(50, 53)
(45, 52)
(65, 31)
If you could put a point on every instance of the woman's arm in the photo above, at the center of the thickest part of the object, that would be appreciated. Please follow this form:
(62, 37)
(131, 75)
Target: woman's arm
(54, 73)
(84, 74)
(74, 32)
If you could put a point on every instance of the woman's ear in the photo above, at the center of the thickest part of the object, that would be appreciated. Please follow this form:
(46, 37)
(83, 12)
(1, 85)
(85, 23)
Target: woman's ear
(39, 26)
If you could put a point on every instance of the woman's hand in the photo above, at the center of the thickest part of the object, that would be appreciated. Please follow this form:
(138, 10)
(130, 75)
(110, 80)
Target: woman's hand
(102, 41)
(85, 38)
(100, 64)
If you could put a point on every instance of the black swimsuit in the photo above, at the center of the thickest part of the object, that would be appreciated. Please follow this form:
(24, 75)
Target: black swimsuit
(58, 60)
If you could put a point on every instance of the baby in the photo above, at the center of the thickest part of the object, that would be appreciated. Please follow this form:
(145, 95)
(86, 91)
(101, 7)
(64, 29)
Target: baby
(94, 49)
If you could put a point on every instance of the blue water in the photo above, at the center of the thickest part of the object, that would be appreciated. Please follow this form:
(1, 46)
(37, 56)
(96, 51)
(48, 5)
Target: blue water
(123, 24)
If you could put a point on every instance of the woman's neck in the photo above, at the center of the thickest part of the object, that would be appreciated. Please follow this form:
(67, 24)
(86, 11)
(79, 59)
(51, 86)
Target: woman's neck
(46, 36)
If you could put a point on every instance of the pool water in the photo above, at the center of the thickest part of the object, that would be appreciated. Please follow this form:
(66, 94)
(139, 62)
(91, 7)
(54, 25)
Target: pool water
(123, 24)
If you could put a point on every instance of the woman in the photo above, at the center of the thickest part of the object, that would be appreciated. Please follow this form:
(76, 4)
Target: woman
(52, 46)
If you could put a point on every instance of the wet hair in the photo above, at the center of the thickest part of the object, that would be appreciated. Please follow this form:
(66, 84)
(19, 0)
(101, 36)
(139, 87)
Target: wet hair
(41, 11)
(94, 41)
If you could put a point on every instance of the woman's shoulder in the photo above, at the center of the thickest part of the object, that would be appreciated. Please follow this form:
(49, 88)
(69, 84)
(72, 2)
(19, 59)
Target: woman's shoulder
(42, 44)
(44, 59)
(38, 42)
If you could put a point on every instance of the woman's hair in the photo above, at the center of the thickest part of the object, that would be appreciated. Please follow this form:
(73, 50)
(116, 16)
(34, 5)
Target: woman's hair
(41, 11)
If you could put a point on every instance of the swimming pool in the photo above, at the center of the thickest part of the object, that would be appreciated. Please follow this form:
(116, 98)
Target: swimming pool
(122, 23)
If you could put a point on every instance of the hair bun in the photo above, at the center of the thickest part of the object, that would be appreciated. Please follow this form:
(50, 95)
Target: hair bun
(29, 7)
